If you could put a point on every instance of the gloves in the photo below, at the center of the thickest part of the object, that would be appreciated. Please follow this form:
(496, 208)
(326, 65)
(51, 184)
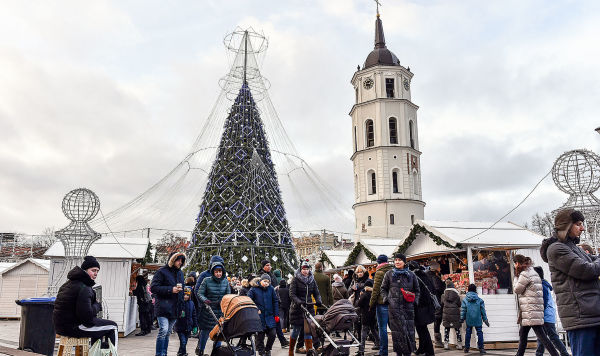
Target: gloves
(276, 319)
(487, 323)
(207, 302)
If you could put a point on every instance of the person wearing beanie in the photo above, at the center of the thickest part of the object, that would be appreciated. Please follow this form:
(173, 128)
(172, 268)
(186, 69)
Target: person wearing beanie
(451, 314)
(303, 289)
(472, 311)
(376, 303)
(368, 322)
(434, 274)
(187, 321)
(265, 267)
(76, 306)
(264, 296)
(400, 290)
(284, 305)
(211, 291)
(574, 275)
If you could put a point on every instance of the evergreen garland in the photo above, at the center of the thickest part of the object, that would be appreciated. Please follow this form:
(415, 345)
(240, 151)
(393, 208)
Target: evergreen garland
(354, 254)
(416, 229)
(325, 259)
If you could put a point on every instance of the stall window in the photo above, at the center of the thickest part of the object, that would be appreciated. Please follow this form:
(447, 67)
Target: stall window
(492, 271)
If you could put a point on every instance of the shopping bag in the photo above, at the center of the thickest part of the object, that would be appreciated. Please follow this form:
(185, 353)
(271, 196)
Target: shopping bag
(97, 350)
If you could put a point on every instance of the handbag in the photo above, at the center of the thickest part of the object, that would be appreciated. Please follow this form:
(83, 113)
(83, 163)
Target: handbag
(436, 303)
(408, 296)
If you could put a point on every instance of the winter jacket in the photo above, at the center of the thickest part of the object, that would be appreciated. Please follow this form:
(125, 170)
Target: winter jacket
(451, 308)
(400, 312)
(244, 291)
(339, 291)
(549, 308)
(167, 304)
(531, 297)
(187, 319)
(324, 285)
(438, 289)
(302, 290)
(359, 283)
(271, 275)
(267, 302)
(277, 274)
(366, 317)
(207, 273)
(472, 310)
(75, 303)
(380, 272)
(212, 289)
(425, 308)
(574, 276)
(140, 292)
(284, 296)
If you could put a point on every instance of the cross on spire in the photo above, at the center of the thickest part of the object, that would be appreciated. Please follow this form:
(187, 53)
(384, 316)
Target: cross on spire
(378, 4)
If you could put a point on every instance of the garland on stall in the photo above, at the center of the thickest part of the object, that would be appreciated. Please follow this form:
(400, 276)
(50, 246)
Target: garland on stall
(416, 229)
(354, 254)
(325, 259)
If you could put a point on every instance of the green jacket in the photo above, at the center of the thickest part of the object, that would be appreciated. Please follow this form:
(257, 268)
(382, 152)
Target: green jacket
(376, 297)
(324, 285)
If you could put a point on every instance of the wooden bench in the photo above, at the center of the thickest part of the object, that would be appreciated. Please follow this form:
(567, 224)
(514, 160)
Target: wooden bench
(67, 344)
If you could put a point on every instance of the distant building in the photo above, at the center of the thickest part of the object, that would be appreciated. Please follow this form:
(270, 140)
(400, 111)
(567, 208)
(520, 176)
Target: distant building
(310, 247)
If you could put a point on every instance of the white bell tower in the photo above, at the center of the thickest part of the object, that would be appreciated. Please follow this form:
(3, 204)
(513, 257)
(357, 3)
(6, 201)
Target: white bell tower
(386, 156)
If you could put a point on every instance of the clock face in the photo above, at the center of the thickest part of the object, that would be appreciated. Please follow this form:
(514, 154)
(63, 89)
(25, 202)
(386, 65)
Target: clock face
(368, 83)
(406, 84)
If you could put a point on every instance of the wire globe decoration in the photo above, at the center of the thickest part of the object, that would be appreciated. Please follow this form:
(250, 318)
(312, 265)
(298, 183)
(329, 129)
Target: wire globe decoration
(80, 205)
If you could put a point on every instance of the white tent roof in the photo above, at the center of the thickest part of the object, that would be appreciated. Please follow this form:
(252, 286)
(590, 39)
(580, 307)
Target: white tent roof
(381, 246)
(108, 247)
(505, 234)
(337, 257)
(5, 267)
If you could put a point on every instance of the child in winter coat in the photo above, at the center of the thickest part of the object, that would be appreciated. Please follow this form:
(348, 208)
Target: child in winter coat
(472, 311)
(367, 318)
(186, 322)
(451, 314)
(267, 302)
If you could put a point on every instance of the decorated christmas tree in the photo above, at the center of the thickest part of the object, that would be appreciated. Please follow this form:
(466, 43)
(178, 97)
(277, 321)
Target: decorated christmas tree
(242, 217)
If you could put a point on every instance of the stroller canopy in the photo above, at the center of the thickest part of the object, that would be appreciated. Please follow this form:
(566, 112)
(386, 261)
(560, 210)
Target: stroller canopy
(339, 317)
(240, 318)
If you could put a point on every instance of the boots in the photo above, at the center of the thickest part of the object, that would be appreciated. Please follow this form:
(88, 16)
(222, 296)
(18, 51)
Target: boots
(438, 340)
(292, 346)
(446, 346)
(459, 345)
(308, 343)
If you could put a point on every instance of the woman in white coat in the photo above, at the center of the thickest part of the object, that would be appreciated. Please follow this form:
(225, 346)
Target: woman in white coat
(528, 287)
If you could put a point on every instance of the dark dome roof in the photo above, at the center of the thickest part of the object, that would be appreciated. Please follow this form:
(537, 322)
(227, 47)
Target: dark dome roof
(380, 55)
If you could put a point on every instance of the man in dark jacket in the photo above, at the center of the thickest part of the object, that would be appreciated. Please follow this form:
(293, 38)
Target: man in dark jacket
(144, 302)
(76, 307)
(574, 276)
(434, 274)
(424, 309)
(284, 304)
(377, 302)
(324, 285)
(167, 287)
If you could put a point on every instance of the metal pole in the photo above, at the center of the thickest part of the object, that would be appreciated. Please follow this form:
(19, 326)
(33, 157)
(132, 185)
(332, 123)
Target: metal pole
(470, 264)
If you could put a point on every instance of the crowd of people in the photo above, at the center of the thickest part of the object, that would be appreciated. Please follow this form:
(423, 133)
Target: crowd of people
(404, 296)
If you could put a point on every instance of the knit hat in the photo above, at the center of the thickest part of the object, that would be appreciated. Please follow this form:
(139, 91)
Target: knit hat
(564, 220)
(89, 262)
(400, 256)
(369, 283)
(265, 277)
(264, 262)
(337, 278)
(382, 259)
(305, 264)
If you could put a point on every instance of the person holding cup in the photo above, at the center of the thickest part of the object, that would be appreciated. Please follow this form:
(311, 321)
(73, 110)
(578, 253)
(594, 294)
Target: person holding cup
(167, 287)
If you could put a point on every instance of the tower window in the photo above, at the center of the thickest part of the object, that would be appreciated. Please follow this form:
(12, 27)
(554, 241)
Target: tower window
(370, 133)
(356, 92)
(389, 87)
(355, 142)
(412, 219)
(391, 219)
(373, 183)
(393, 130)
(368, 221)
(410, 133)
(395, 181)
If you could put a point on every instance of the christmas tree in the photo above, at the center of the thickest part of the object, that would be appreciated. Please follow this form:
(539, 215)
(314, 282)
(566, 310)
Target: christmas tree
(242, 217)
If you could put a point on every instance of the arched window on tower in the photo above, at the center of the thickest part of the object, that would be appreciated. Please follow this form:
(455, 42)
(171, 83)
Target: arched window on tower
(410, 133)
(393, 125)
(372, 182)
(356, 184)
(395, 181)
(391, 219)
(355, 140)
(368, 220)
(370, 131)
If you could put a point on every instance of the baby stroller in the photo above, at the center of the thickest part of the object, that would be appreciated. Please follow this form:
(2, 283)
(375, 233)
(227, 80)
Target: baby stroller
(240, 320)
(340, 317)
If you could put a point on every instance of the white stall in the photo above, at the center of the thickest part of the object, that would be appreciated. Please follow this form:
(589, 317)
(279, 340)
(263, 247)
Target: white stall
(20, 280)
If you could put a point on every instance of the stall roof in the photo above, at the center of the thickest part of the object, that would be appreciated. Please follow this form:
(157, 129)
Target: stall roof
(337, 257)
(108, 247)
(381, 246)
(6, 265)
(45, 264)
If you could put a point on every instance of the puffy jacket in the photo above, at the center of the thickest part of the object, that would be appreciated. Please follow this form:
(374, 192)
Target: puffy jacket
(438, 289)
(574, 276)
(284, 296)
(212, 289)
(204, 274)
(267, 302)
(531, 297)
(472, 310)
(324, 285)
(400, 312)
(302, 290)
(339, 291)
(425, 309)
(549, 308)
(75, 303)
(167, 304)
(451, 308)
(187, 319)
(380, 272)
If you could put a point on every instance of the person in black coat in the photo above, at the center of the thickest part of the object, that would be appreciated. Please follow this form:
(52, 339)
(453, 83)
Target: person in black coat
(367, 317)
(284, 304)
(425, 309)
(435, 276)
(302, 291)
(144, 302)
(167, 287)
(76, 307)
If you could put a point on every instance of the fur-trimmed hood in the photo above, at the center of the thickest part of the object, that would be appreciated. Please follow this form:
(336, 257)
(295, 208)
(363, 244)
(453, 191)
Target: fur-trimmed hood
(173, 257)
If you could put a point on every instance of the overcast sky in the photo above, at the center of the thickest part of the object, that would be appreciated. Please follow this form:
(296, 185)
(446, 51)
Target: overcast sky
(111, 95)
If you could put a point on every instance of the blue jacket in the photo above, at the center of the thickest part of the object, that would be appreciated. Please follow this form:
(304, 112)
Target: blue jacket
(212, 289)
(549, 307)
(187, 319)
(167, 304)
(267, 301)
(472, 310)
(207, 273)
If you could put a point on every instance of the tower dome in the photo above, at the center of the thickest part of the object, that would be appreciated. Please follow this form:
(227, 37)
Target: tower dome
(380, 55)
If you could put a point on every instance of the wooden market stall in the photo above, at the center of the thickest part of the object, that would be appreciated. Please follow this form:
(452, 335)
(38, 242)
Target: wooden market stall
(117, 263)
(20, 280)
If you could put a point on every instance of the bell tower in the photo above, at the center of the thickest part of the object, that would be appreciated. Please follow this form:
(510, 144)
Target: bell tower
(386, 156)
